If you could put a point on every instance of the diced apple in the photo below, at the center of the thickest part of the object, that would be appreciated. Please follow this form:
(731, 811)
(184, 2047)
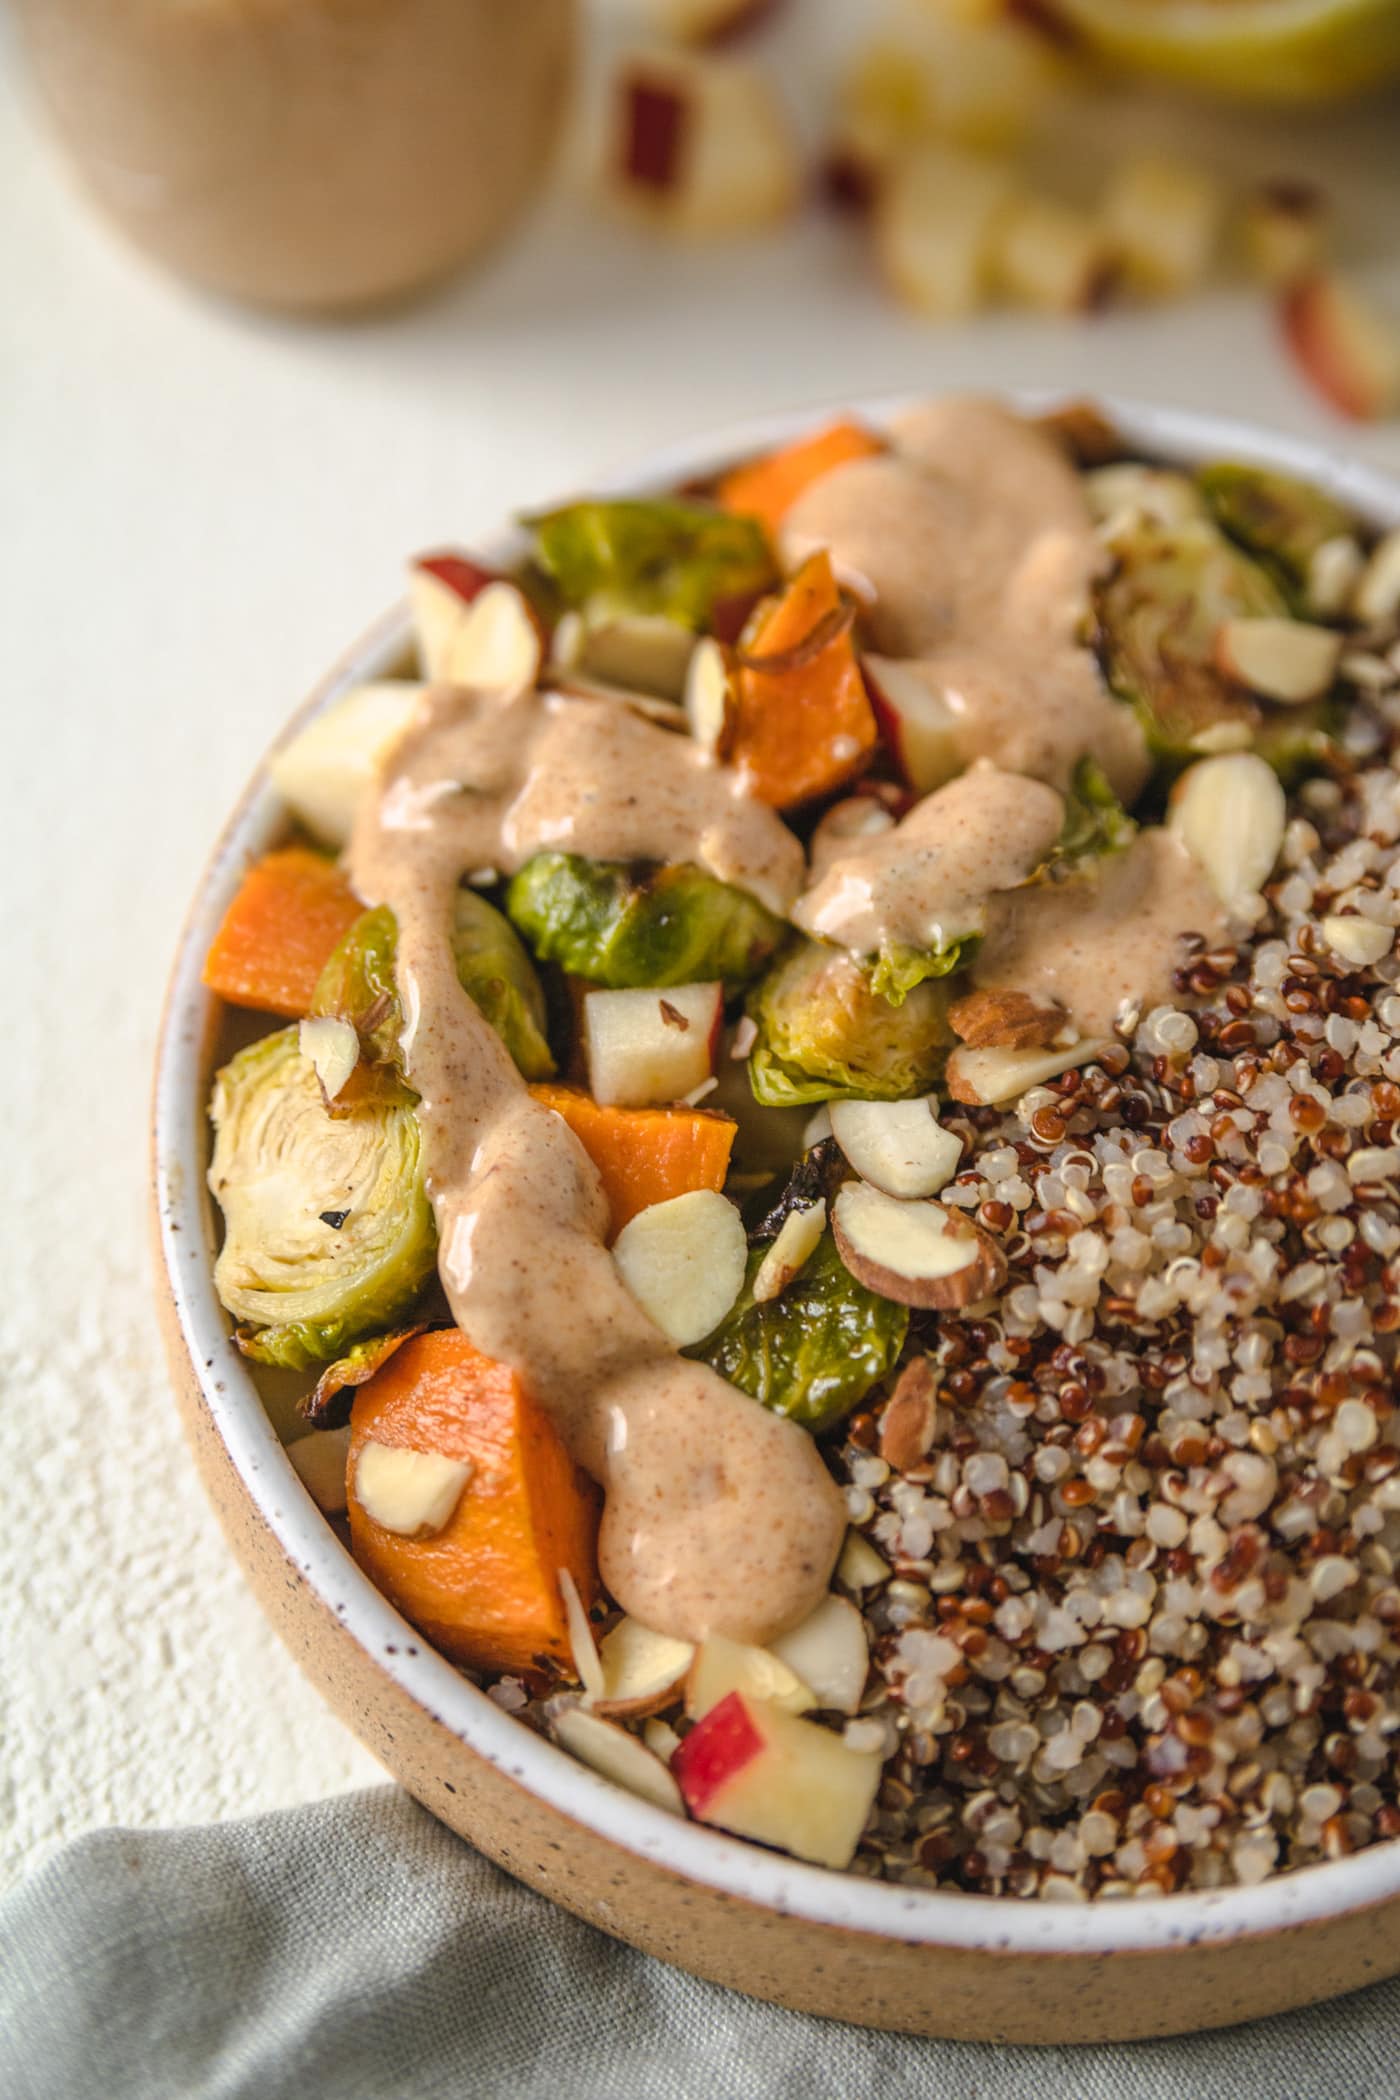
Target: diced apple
(935, 230)
(642, 1671)
(647, 1048)
(1049, 255)
(721, 1666)
(440, 588)
(684, 1262)
(1229, 813)
(498, 645)
(900, 1146)
(1284, 230)
(915, 721)
(1347, 350)
(830, 1653)
(916, 1253)
(985, 1078)
(1288, 661)
(702, 145)
(615, 1754)
(1164, 218)
(761, 1773)
(640, 652)
(322, 772)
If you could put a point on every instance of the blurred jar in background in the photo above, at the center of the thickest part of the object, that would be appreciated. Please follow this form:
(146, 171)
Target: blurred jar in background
(309, 154)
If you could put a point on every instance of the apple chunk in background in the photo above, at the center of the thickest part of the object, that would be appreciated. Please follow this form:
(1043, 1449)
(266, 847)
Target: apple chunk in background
(700, 145)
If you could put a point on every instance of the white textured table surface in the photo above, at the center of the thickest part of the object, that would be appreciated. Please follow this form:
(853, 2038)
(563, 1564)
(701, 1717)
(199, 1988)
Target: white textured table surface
(199, 509)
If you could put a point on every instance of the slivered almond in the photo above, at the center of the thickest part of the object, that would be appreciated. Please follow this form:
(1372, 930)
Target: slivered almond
(411, 1493)
(1357, 940)
(498, 645)
(616, 1755)
(908, 1416)
(582, 1645)
(709, 697)
(1229, 813)
(799, 1236)
(1284, 660)
(1376, 597)
(985, 1078)
(683, 1261)
(1333, 574)
(915, 1253)
(993, 1019)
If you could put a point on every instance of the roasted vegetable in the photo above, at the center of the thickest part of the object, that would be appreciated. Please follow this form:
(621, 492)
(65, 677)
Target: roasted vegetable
(1095, 820)
(802, 722)
(633, 924)
(897, 969)
(327, 1405)
(768, 487)
(291, 908)
(358, 983)
(328, 1233)
(1278, 519)
(814, 1352)
(824, 1032)
(682, 560)
(644, 1155)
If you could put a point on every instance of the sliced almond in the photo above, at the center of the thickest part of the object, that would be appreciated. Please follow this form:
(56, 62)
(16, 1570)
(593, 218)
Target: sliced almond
(332, 1049)
(642, 1671)
(900, 1146)
(985, 1078)
(996, 1019)
(817, 1128)
(1357, 940)
(1376, 597)
(411, 1493)
(684, 1262)
(618, 1756)
(799, 1236)
(1284, 660)
(1229, 812)
(914, 1253)
(860, 1566)
(319, 1461)
(709, 697)
(582, 1645)
(909, 1416)
(721, 1666)
(642, 652)
(498, 645)
(830, 1653)
(1334, 571)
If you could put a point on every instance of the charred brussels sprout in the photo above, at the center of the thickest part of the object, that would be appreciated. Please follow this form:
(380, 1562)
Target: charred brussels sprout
(628, 923)
(358, 985)
(824, 1032)
(814, 1352)
(328, 1232)
(680, 560)
(1095, 820)
(1280, 521)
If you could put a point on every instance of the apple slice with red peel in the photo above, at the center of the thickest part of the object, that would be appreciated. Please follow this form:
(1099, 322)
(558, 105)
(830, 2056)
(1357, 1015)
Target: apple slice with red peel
(1349, 352)
(702, 145)
(1285, 660)
(646, 1048)
(440, 588)
(498, 645)
(900, 1146)
(642, 1671)
(615, 1754)
(323, 771)
(914, 1253)
(684, 1262)
(709, 697)
(752, 1769)
(722, 1666)
(830, 1653)
(915, 720)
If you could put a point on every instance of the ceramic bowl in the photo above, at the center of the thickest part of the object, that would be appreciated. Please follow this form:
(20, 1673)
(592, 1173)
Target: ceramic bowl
(922, 1960)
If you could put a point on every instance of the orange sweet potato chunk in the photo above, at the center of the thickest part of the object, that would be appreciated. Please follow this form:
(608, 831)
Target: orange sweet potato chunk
(767, 488)
(291, 909)
(805, 725)
(486, 1589)
(645, 1155)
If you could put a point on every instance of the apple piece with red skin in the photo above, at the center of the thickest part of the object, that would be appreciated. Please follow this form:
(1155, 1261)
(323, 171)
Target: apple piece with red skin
(752, 1769)
(1348, 351)
(916, 723)
(700, 144)
(647, 1048)
(440, 588)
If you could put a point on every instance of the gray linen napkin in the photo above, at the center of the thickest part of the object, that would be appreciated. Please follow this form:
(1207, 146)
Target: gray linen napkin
(355, 1950)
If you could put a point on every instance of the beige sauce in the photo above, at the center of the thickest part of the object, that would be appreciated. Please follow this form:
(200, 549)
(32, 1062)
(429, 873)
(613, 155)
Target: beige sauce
(928, 880)
(719, 1516)
(1106, 941)
(976, 539)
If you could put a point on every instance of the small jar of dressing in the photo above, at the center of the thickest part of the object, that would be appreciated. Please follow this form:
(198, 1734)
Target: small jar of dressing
(307, 154)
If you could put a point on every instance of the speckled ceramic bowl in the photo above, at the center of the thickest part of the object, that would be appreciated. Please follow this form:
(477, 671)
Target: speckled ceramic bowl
(935, 1963)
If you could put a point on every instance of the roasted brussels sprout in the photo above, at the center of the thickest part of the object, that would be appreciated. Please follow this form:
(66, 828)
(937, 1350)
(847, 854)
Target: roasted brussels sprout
(814, 1352)
(358, 984)
(824, 1032)
(328, 1232)
(1095, 820)
(897, 969)
(1279, 520)
(630, 923)
(664, 556)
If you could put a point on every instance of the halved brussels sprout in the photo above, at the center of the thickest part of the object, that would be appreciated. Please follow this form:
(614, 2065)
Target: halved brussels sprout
(1095, 820)
(493, 967)
(824, 1032)
(814, 1352)
(328, 1232)
(633, 923)
(1279, 520)
(897, 969)
(662, 556)
(1159, 610)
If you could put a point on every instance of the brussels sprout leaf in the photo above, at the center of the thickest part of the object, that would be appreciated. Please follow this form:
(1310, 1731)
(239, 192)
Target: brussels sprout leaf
(663, 556)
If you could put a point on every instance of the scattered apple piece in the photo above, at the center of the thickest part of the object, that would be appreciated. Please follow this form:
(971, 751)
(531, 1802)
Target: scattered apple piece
(914, 1253)
(1375, 597)
(647, 1047)
(1284, 660)
(498, 645)
(1285, 228)
(642, 1671)
(684, 1263)
(830, 1653)
(323, 770)
(1230, 812)
(1048, 255)
(899, 1146)
(411, 1493)
(1347, 350)
(1164, 218)
(798, 1238)
(1357, 940)
(617, 1755)
(319, 1461)
(915, 721)
(638, 652)
(935, 230)
(702, 145)
(986, 1078)
(762, 1773)
(720, 1667)
(332, 1049)
(440, 589)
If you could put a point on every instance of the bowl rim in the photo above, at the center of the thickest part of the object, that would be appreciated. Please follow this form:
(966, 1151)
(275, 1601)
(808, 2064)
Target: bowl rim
(821, 1896)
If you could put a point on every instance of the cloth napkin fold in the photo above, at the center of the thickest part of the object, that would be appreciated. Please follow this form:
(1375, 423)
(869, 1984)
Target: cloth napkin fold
(356, 1950)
